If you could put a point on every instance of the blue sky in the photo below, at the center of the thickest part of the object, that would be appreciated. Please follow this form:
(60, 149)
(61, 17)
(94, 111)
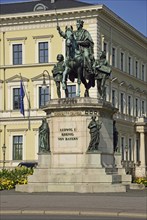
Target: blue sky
(132, 11)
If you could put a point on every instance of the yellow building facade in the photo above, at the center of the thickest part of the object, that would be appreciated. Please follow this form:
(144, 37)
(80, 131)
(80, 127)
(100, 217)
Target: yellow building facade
(29, 44)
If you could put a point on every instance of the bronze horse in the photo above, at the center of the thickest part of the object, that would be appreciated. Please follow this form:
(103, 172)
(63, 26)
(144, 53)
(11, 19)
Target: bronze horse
(74, 64)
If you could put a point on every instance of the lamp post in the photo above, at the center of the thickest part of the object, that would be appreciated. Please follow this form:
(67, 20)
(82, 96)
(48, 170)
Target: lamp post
(44, 84)
(4, 148)
(4, 155)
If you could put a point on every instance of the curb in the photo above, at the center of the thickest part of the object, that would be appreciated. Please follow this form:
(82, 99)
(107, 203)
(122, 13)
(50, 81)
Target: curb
(75, 213)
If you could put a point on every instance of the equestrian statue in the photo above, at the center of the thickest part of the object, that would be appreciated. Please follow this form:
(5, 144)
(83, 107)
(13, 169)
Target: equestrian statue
(80, 63)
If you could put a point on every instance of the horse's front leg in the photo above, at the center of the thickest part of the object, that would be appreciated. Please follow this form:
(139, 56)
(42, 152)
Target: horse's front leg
(79, 83)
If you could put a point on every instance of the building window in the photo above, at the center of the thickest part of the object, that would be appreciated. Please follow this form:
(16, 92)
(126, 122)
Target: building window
(113, 98)
(129, 105)
(71, 91)
(105, 47)
(122, 61)
(143, 108)
(17, 54)
(130, 65)
(122, 103)
(137, 151)
(113, 57)
(130, 149)
(122, 147)
(136, 107)
(43, 52)
(16, 98)
(136, 69)
(43, 96)
(142, 72)
(17, 147)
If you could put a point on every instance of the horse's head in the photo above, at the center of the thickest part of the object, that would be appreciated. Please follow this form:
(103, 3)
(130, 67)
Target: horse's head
(69, 36)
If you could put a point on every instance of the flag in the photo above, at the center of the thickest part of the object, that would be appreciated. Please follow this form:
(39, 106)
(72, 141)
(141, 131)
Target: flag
(22, 94)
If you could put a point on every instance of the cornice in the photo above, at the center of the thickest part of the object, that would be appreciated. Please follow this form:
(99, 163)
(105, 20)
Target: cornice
(27, 65)
(121, 22)
(17, 38)
(43, 36)
(123, 27)
(51, 12)
(18, 130)
(40, 77)
(17, 78)
(45, 16)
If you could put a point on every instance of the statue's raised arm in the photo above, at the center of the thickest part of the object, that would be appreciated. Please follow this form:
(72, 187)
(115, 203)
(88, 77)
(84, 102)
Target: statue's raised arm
(62, 34)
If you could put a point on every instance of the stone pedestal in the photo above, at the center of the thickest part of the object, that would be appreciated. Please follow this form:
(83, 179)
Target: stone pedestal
(69, 167)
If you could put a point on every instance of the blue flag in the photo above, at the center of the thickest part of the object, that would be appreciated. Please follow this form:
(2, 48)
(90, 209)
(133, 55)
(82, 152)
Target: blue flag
(22, 94)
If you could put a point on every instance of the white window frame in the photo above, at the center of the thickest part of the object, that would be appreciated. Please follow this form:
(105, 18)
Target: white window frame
(11, 52)
(38, 94)
(107, 49)
(122, 67)
(130, 149)
(115, 58)
(37, 50)
(124, 102)
(143, 73)
(143, 113)
(131, 65)
(137, 156)
(113, 98)
(38, 84)
(137, 107)
(122, 148)
(17, 133)
(11, 86)
(131, 104)
(136, 69)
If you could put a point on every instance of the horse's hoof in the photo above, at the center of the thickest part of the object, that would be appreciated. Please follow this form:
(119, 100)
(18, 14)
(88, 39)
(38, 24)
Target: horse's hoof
(63, 86)
(86, 94)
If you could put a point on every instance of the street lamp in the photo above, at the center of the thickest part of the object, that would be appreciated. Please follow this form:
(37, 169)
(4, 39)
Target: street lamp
(4, 148)
(44, 84)
(4, 154)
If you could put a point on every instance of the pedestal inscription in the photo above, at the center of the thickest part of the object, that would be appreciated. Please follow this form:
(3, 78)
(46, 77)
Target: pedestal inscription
(67, 134)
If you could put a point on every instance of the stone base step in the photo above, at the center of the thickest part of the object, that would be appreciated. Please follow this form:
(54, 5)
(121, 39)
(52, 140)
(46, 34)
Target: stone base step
(75, 178)
(49, 171)
(71, 187)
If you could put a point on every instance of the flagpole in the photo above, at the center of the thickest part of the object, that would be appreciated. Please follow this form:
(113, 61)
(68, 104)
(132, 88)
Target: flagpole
(29, 104)
(29, 122)
(53, 2)
(56, 17)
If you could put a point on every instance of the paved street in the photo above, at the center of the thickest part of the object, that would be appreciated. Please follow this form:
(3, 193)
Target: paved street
(130, 204)
(64, 217)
